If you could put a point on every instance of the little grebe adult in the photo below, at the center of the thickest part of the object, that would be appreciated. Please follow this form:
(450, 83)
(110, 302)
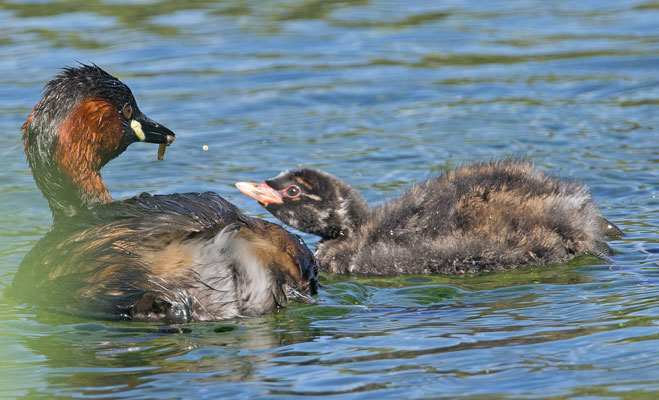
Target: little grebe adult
(482, 217)
(174, 258)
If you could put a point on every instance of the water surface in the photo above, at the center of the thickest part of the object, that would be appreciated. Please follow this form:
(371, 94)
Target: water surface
(382, 94)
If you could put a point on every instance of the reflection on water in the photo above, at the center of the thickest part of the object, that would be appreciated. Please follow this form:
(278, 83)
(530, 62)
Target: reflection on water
(382, 94)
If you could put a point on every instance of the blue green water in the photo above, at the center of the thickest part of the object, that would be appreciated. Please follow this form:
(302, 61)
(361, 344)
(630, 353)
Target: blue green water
(382, 94)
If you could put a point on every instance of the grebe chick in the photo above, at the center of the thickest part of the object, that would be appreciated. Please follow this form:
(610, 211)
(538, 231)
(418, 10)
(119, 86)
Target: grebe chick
(481, 217)
(173, 258)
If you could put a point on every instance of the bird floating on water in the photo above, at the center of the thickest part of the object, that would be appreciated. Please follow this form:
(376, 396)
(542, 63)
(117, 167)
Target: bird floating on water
(487, 216)
(173, 258)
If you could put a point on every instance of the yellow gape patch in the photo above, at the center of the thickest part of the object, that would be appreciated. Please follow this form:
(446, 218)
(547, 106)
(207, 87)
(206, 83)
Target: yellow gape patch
(137, 128)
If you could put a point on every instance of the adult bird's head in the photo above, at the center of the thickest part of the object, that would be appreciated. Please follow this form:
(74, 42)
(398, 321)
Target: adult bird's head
(85, 118)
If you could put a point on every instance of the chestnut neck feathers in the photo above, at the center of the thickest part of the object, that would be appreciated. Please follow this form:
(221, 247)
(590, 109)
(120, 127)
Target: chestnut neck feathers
(82, 121)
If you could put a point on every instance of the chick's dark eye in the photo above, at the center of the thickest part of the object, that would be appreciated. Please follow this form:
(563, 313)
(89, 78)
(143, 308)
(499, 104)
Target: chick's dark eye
(293, 191)
(127, 111)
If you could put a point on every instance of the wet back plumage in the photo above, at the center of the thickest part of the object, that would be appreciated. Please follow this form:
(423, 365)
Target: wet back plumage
(174, 258)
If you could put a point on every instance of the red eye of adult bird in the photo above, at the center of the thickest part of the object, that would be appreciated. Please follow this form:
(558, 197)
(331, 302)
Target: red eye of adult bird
(127, 111)
(174, 258)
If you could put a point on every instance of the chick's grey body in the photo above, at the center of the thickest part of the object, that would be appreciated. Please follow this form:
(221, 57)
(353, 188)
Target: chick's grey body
(482, 217)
